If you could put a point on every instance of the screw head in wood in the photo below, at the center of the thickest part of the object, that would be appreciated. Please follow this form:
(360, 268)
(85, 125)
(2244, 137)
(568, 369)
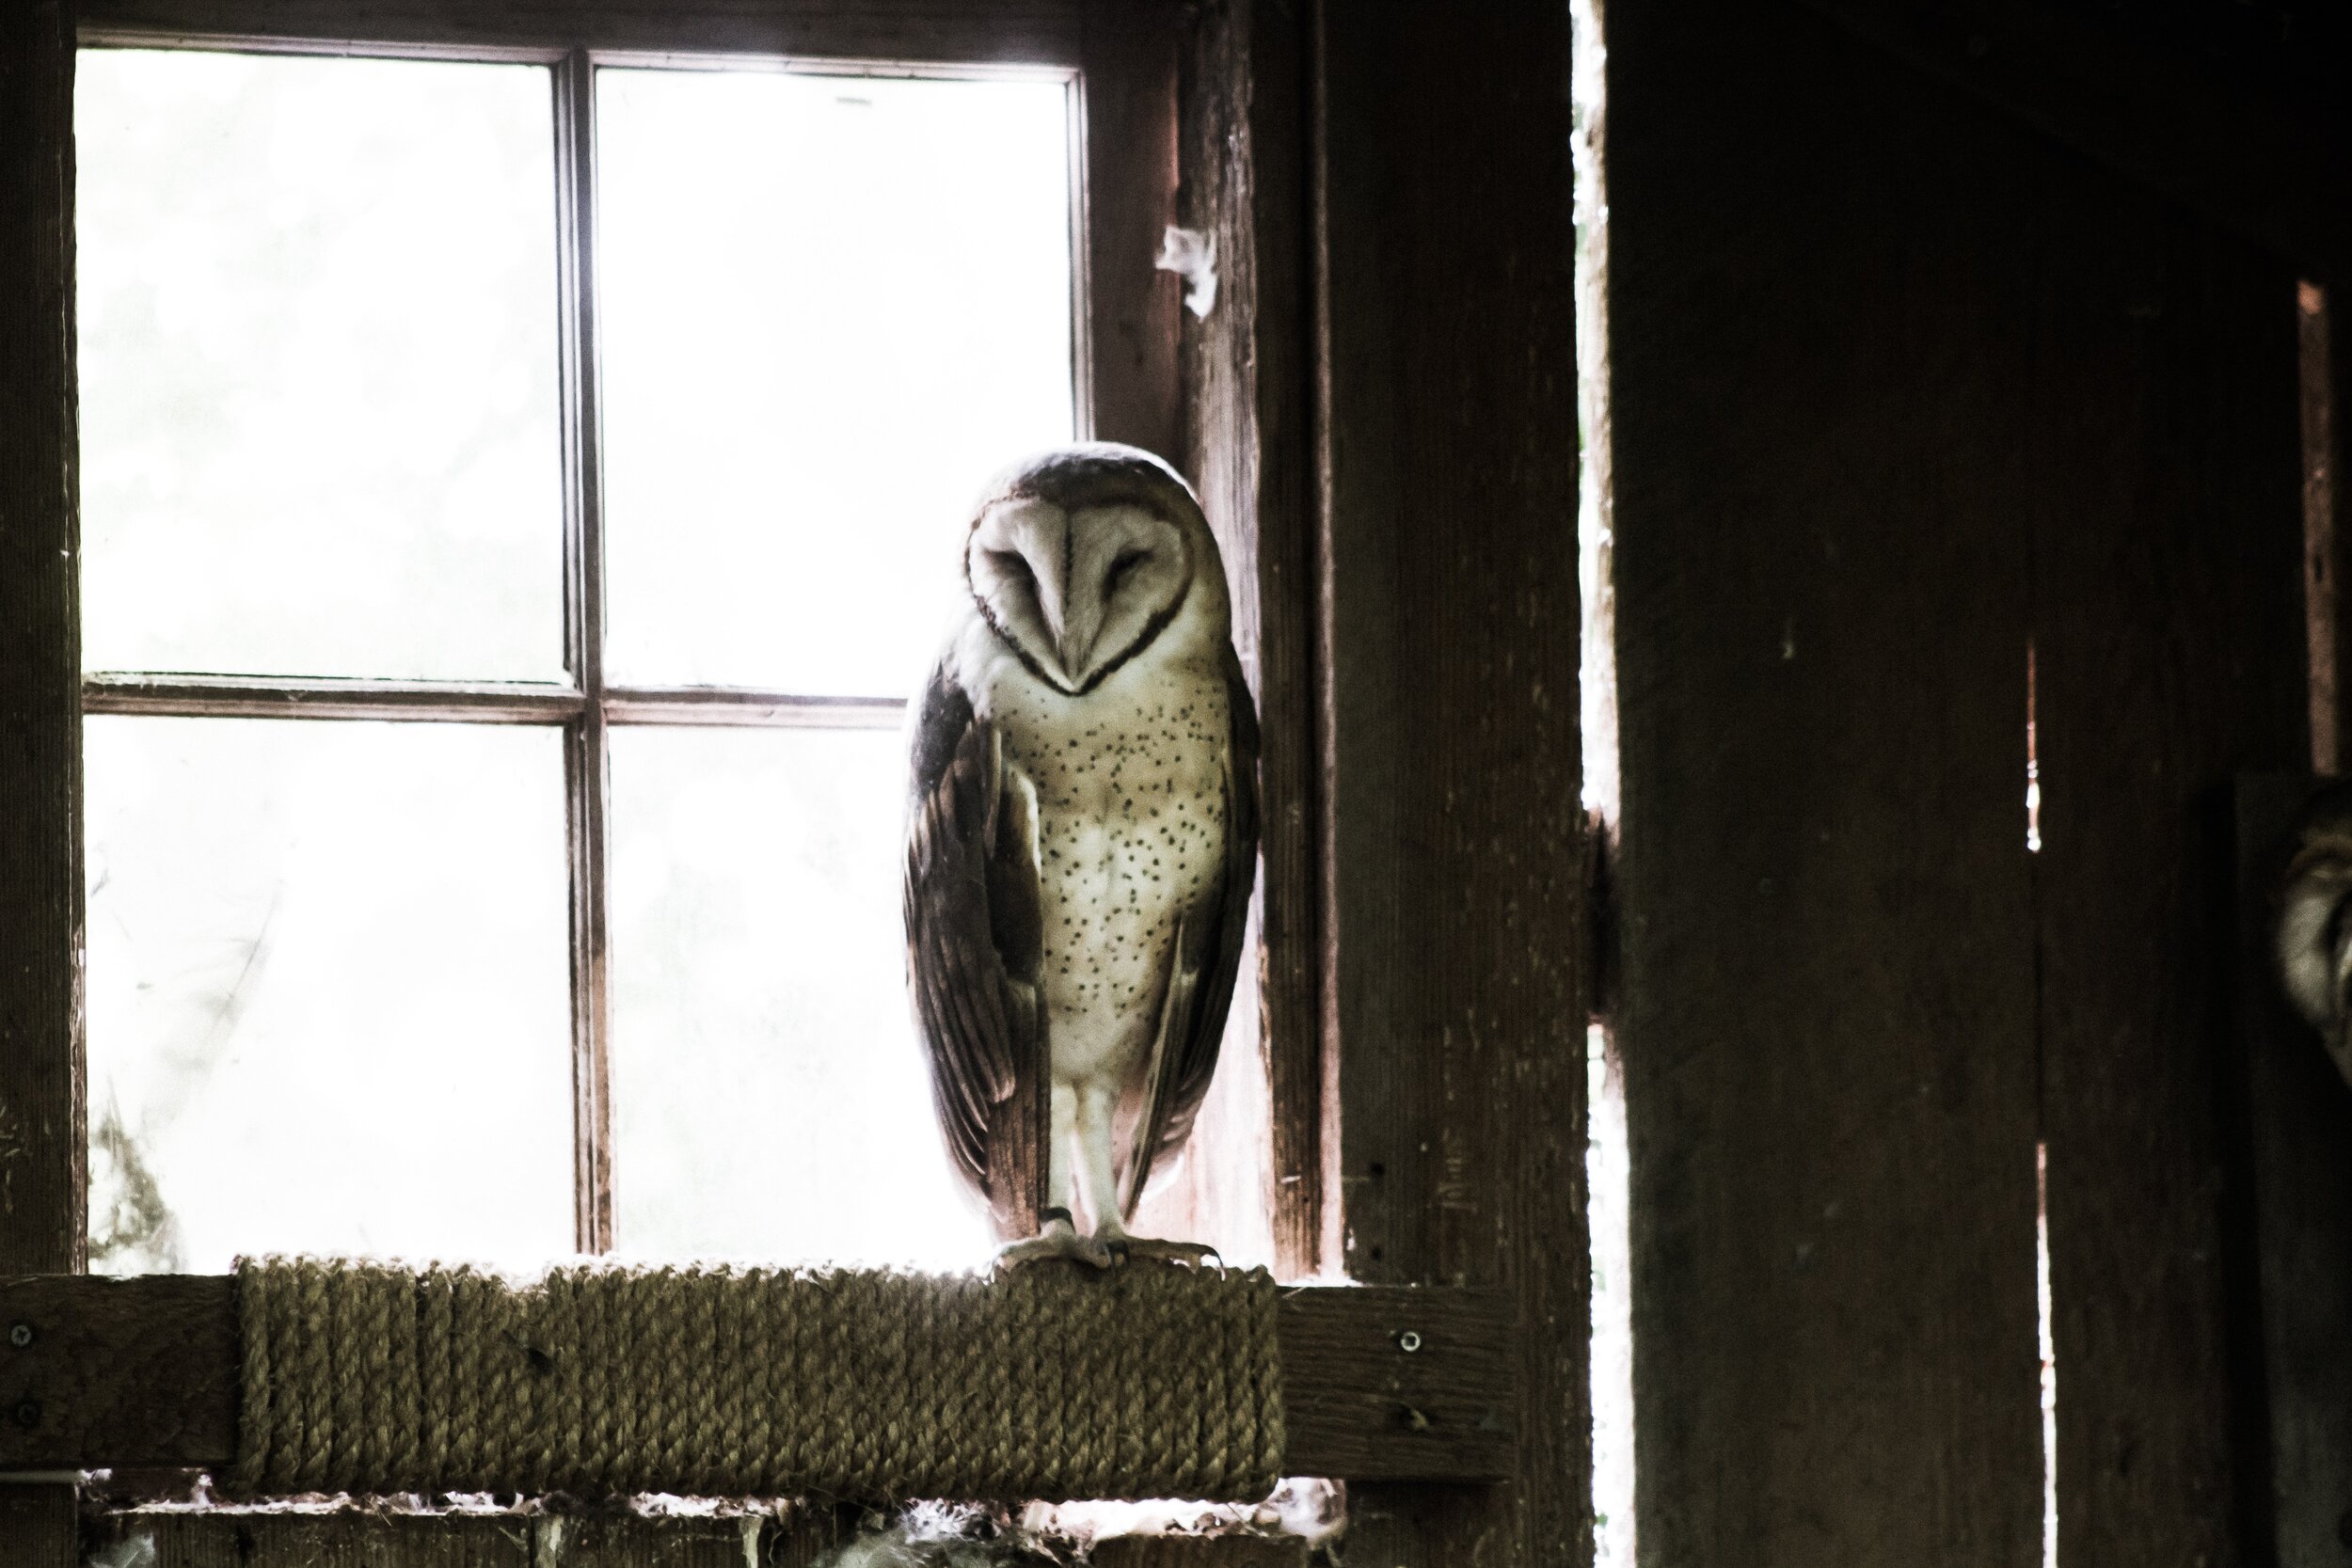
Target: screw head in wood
(21, 1334)
(29, 1414)
(1408, 1342)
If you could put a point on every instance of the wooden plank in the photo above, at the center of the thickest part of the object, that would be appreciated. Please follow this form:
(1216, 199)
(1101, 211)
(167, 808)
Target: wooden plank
(1042, 32)
(117, 1374)
(41, 1154)
(142, 1374)
(1301, 1065)
(2171, 652)
(1453, 838)
(1244, 365)
(1215, 1551)
(355, 1539)
(624, 1542)
(1818, 270)
(2262, 157)
(1399, 1383)
(40, 744)
(2298, 1138)
(342, 1540)
(2328, 642)
(39, 1528)
(1128, 66)
(2327, 379)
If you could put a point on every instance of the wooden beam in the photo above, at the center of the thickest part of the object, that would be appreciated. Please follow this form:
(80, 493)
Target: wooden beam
(1454, 839)
(2259, 158)
(1818, 277)
(1026, 31)
(1128, 67)
(205, 1540)
(41, 720)
(1245, 375)
(41, 1154)
(797, 1539)
(142, 1374)
(2159, 426)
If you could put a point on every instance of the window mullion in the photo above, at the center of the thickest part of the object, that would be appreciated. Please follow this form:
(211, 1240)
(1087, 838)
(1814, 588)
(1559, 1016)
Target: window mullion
(585, 763)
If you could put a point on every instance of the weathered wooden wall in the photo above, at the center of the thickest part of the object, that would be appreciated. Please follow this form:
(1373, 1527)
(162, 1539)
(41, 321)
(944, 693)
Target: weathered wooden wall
(1901, 390)
(1454, 836)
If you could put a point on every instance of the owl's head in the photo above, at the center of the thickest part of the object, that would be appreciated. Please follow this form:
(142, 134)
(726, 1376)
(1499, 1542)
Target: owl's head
(1082, 557)
(2314, 936)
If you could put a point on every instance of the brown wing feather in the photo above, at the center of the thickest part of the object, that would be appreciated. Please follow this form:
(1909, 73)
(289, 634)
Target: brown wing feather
(1204, 961)
(974, 925)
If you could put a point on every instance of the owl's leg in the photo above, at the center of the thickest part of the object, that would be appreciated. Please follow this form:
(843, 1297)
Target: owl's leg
(1057, 1233)
(1097, 1107)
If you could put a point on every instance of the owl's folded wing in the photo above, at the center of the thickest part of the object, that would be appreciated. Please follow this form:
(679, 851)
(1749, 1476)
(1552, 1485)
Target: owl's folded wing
(974, 926)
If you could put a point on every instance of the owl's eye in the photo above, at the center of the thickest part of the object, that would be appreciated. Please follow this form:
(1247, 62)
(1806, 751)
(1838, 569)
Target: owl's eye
(1128, 561)
(1014, 566)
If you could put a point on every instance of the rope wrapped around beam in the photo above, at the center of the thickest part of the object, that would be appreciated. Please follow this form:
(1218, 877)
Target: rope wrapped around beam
(1052, 1381)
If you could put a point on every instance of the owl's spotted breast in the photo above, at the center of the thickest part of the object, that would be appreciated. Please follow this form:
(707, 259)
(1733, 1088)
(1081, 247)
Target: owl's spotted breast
(1130, 783)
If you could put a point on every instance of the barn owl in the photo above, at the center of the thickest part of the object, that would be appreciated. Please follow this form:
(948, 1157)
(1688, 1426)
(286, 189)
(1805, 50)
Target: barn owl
(2315, 924)
(1081, 841)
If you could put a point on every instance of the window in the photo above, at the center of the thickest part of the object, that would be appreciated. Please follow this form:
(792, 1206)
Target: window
(520, 496)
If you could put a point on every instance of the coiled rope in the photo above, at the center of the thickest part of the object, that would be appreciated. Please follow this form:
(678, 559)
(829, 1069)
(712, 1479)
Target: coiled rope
(1052, 1381)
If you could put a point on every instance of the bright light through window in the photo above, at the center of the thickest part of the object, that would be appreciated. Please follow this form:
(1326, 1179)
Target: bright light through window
(833, 307)
(317, 342)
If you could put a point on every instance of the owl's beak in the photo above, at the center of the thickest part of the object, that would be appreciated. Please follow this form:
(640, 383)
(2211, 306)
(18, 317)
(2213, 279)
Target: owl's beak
(1075, 637)
(1073, 649)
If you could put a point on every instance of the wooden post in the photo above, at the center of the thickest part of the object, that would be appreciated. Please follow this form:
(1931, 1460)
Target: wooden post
(2171, 654)
(40, 718)
(1827, 1011)
(1454, 839)
(1128, 58)
(1249, 449)
(2324, 346)
(1905, 398)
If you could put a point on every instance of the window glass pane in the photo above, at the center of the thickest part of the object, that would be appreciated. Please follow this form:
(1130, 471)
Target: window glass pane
(318, 365)
(769, 1098)
(328, 1004)
(832, 308)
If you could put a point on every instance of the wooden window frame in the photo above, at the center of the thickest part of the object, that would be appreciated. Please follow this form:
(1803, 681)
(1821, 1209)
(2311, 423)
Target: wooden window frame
(1386, 378)
(1108, 389)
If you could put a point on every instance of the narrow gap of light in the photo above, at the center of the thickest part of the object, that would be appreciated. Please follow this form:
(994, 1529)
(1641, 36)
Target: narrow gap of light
(2049, 1355)
(1608, 1169)
(1595, 502)
(2033, 759)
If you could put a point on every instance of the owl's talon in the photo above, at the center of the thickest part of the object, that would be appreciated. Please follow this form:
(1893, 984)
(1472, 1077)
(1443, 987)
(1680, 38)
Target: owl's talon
(1192, 1255)
(1060, 1239)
